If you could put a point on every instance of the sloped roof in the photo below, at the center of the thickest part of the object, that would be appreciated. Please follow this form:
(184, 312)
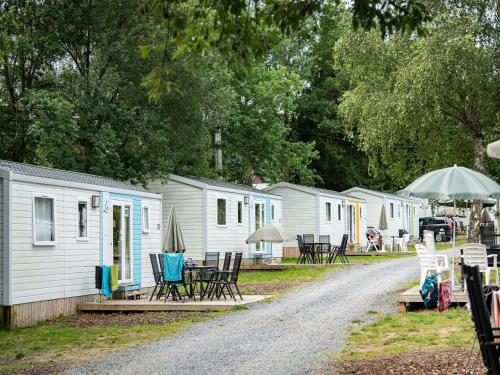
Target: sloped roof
(310, 189)
(378, 193)
(226, 185)
(62, 175)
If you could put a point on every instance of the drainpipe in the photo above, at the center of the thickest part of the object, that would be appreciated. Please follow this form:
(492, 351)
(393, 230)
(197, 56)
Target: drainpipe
(7, 238)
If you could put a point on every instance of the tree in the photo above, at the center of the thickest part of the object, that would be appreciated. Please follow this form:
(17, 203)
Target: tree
(421, 104)
(258, 140)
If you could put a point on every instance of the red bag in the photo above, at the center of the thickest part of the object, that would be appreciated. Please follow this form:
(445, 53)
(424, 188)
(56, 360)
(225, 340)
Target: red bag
(444, 295)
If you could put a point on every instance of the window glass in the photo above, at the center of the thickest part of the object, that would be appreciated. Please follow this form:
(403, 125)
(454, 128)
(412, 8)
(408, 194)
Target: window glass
(240, 212)
(328, 211)
(221, 211)
(339, 212)
(272, 212)
(45, 230)
(145, 219)
(82, 219)
(360, 212)
(391, 210)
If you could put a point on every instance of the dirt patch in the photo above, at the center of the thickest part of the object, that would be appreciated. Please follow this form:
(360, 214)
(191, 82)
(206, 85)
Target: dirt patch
(266, 288)
(46, 369)
(85, 320)
(439, 362)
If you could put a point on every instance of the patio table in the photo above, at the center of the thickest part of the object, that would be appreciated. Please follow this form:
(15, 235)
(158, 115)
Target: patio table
(317, 248)
(200, 270)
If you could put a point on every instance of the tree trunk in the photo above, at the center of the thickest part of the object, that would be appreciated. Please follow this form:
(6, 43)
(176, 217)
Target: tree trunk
(477, 205)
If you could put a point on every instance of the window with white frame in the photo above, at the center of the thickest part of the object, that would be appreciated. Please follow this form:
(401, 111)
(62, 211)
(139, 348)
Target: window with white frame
(328, 212)
(44, 220)
(240, 212)
(361, 212)
(339, 212)
(272, 212)
(391, 210)
(82, 219)
(221, 211)
(145, 219)
(399, 210)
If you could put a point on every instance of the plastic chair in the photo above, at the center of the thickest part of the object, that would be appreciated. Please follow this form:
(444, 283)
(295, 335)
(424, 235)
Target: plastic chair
(474, 254)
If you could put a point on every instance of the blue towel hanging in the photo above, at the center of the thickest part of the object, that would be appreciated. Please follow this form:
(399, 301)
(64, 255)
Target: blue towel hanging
(174, 263)
(106, 281)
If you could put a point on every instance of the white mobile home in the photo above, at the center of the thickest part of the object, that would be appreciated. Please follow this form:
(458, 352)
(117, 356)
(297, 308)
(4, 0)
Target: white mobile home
(219, 216)
(401, 212)
(57, 226)
(322, 212)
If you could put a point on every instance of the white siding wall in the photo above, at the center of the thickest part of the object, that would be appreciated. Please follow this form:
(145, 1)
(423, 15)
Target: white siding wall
(278, 247)
(298, 210)
(1, 240)
(188, 202)
(63, 270)
(363, 224)
(151, 242)
(373, 207)
(335, 228)
(397, 222)
(230, 237)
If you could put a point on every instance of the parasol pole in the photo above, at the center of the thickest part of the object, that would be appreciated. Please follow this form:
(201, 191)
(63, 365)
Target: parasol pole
(454, 241)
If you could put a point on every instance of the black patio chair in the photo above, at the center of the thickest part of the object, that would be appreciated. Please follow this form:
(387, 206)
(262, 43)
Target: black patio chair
(305, 252)
(217, 275)
(227, 279)
(309, 241)
(486, 334)
(339, 252)
(325, 246)
(157, 274)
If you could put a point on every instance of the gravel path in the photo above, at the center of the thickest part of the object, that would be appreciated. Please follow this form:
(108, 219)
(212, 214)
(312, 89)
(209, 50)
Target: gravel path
(290, 335)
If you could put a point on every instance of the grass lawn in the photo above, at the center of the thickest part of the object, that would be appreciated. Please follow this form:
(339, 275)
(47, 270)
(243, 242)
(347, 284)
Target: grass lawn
(410, 332)
(277, 282)
(49, 346)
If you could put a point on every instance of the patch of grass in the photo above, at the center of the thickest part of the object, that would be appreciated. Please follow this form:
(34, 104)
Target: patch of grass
(412, 331)
(58, 342)
(372, 312)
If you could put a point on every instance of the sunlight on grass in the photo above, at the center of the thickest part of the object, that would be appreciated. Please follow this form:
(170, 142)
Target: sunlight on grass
(412, 331)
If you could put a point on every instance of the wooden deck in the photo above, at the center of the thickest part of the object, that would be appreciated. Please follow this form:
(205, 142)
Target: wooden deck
(412, 299)
(189, 305)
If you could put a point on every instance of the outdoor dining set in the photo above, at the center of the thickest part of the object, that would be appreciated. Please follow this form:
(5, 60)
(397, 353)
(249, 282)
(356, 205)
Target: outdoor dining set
(172, 273)
(315, 252)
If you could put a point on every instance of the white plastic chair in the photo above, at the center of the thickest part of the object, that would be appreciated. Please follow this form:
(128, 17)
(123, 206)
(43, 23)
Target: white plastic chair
(372, 244)
(386, 241)
(474, 254)
(429, 241)
(403, 242)
(437, 263)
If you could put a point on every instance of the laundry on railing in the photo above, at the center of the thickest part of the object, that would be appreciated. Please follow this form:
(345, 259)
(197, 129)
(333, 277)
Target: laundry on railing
(106, 279)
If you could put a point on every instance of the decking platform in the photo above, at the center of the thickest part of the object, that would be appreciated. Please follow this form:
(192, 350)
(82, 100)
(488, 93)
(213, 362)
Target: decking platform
(189, 305)
(411, 299)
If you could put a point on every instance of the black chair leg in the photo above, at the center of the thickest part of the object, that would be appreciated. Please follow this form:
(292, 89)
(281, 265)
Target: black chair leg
(238, 289)
(153, 293)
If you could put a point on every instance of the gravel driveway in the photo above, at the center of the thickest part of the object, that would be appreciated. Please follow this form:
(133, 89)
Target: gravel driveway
(290, 335)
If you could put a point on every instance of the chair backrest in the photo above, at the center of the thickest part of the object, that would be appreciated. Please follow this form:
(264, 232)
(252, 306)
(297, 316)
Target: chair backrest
(474, 254)
(212, 258)
(430, 244)
(324, 238)
(236, 267)
(343, 244)
(300, 241)
(308, 238)
(479, 311)
(154, 265)
(161, 260)
(227, 261)
(421, 249)
(428, 261)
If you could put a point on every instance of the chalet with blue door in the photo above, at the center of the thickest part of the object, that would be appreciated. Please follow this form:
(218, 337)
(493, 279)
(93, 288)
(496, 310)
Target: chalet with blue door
(219, 216)
(56, 226)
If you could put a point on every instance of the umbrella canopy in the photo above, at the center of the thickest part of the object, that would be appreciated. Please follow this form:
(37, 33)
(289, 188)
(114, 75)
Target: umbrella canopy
(271, 233)
(493, 149)
(449, 212)
(454, 183)
(174, 242)
(485, 216)
(382, 223)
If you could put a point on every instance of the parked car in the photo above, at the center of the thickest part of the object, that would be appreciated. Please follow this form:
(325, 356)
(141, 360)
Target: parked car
(441, 226)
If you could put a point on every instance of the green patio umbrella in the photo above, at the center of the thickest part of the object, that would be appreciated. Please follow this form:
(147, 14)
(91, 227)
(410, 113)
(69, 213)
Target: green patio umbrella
(493, 149)
(451, 184)
(174, 243)
(485, 216)
(454, 183)
(382, 223)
